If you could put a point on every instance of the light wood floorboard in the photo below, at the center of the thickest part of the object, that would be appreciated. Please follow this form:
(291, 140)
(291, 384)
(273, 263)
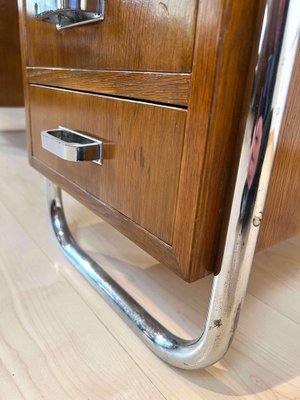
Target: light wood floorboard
(60, 340)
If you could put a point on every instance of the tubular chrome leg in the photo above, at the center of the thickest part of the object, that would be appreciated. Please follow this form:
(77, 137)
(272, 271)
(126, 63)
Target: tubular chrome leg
(275, 60)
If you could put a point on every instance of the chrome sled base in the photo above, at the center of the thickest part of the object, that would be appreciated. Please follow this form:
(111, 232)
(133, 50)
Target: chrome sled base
(278, 44)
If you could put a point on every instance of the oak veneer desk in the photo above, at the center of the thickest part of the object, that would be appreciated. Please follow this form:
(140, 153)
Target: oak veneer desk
(166, 91)
(11, 90)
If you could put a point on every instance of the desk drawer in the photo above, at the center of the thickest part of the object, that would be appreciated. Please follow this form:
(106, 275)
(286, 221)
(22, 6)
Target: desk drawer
(142, 146)
(135, 35)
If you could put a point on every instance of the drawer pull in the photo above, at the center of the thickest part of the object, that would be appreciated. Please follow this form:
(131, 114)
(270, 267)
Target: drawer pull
(72, 146)
(69, 13)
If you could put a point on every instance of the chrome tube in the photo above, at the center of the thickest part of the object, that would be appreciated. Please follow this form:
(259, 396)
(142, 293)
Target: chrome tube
(274, 66)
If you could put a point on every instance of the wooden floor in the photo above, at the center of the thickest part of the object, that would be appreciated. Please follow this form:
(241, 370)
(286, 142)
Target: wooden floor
(59, 340)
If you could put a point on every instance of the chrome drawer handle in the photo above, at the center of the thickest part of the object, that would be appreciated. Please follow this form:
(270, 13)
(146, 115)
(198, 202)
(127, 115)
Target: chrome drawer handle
(69, 13)
(72, 146)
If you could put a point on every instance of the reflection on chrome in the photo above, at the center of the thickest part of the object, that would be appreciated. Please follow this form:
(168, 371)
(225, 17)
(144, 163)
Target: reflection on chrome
(69, 13)
(275, 60)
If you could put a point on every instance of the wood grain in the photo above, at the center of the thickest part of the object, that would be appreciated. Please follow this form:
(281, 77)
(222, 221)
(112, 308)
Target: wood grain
(136, 233)
(46, 351)
(142, 151)
(282, 211)
(63, 341)
(11, 92)
(148, 35)
(140, 236)
(22, 31)
(157, 87)
(222, 57)
(178, 211)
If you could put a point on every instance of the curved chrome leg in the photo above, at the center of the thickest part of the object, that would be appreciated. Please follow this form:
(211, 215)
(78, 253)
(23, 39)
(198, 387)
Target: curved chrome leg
(274, 66)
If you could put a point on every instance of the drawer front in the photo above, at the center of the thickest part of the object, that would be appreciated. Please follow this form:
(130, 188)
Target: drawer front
(148, 35)
(142, 152)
